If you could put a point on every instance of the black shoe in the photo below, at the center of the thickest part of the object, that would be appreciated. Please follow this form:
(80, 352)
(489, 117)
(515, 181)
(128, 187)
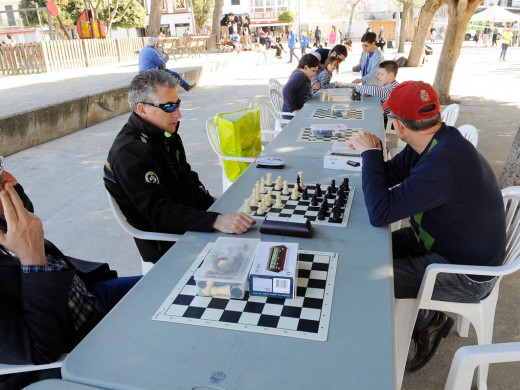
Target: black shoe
(428, 339)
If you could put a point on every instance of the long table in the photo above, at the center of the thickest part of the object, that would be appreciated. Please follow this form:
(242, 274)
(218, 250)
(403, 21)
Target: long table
(129, 350)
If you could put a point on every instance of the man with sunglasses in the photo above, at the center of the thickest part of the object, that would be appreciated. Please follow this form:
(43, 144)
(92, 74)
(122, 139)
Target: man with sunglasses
(147, 173)
(453, 201)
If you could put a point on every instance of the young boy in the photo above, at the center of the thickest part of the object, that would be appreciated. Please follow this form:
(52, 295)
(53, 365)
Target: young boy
(386, 74)
(298, 89)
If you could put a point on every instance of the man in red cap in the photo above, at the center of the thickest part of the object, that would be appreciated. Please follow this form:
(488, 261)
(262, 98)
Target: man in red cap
(452, 199)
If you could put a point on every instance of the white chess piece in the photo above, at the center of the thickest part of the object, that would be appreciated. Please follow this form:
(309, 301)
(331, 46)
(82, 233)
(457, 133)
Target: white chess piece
(263, 190)
(207, 289)
(269, 179)
(269, 197)
(295, 193)
(253, 197)
(247, 206)
(278, 184)
(257, 195)
(223, 291)
(300, 175)
(279, 203)
(260, 210)
(285, 190)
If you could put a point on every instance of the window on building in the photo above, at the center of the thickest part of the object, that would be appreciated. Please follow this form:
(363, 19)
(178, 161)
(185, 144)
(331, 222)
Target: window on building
(10, 15)
(235, 2)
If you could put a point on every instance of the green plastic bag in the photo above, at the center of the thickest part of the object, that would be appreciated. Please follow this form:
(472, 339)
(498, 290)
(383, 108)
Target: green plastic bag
(239, 134)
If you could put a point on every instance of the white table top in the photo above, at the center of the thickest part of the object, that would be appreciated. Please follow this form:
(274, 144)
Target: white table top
(128, 350)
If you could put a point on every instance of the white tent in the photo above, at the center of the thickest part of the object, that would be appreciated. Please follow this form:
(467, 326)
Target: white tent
(495, 13)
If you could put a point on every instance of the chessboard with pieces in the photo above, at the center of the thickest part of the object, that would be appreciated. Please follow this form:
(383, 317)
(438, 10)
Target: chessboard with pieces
(331, 113)
(330, 207)
(306, 135)
(307, 316)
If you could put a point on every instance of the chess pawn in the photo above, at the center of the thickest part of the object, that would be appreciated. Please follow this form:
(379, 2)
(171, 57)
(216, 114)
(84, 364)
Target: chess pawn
(260, 210)
(285, 190)
(247, 206)
(269, 181)
(300, 175)
(295, 193)
(223, 291)
(257, 195)
(278, 184)
(269, 197)
(263, 190)
(253, 197)
(279, 203)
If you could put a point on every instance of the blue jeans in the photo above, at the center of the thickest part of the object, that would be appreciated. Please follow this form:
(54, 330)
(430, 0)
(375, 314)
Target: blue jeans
(109, 292)
(184, 84)
(410, 263)
(291, 54)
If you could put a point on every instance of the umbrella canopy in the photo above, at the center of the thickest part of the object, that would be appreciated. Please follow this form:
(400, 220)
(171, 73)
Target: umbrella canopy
(494, 13)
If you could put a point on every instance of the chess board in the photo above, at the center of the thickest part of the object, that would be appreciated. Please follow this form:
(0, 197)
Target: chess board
(307, 316)
(305, 135)
(300, 208)
(327, 113)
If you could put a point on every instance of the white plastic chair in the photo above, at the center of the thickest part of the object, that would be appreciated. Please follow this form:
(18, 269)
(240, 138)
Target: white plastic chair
(269, 122)
(481, 315)
(15, 368)
(468, 358)
(449, 114)
(277, 102)
(470, 132)
(275, 84)
(214, 141)
(120, 218)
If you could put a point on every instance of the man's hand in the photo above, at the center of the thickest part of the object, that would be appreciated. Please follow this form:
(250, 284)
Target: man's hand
(355, 69)
(361, 141)
(24, 230)
(236, 223)
(356, 81)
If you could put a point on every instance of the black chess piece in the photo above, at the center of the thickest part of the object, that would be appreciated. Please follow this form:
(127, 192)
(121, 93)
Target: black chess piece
(305, 195)
(318, 190)
(322, 214)
(324, 205)
(346, 184)
(329, 194)
(336, 214)
(333, 185)
(314, 200)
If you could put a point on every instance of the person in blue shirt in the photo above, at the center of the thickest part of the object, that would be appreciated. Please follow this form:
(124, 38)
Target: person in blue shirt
(369, 62)
(453, 201)
(151, 57)
(298, 89)
(292, 38)
(304, 42)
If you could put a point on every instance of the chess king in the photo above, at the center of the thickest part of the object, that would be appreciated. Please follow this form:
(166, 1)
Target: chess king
(148, 175)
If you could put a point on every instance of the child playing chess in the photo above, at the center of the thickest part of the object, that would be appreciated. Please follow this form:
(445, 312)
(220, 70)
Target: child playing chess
(323, 78)
(298, 89)
(386, 73)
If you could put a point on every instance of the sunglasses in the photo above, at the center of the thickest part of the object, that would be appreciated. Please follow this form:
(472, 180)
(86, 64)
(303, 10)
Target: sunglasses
(166, 107)
(392, 117)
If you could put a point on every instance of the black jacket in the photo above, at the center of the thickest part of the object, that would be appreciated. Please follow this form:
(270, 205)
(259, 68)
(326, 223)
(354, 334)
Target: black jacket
(149, 177)
(36, 326)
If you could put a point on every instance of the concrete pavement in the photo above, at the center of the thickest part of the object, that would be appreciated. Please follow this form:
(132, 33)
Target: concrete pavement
(63, 177)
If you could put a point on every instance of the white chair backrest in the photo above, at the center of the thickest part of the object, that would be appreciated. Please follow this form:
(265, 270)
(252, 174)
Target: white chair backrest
(14, 368)
(449, 114)
(120, 218)
(276, 100)
(268, 119)
(511, 197)
(470, 132)
(275, 84)
(213, 137)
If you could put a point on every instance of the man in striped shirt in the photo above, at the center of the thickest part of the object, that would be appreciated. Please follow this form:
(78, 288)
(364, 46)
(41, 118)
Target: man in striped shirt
(387, 73)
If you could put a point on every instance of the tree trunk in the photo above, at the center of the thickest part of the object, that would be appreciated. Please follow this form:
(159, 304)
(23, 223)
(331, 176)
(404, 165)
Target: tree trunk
(459, 15)
(407, 7)
(217, 16)
(154, 21)
(352, 9)
(428, 10)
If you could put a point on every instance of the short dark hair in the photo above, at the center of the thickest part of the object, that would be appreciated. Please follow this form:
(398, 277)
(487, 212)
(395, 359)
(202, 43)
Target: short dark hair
(390, 66)
(340, 49)
(309, 60)
(418, 125)
(369, 37)
(143, 87)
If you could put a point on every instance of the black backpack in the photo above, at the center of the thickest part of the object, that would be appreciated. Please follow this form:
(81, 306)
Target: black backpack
(224, 21)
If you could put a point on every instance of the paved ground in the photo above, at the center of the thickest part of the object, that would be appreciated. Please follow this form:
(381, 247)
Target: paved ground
(63, 177)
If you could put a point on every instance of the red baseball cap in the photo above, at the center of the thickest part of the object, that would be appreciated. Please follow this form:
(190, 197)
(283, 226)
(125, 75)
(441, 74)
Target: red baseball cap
(413, 100)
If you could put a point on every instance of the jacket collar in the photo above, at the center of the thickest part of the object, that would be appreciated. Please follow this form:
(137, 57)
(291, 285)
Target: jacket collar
(152, 131)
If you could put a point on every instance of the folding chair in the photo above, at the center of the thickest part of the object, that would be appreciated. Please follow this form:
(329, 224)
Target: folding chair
(214, 141)
(120, 218)
(269, 123)
(275, 84)
(481, 315)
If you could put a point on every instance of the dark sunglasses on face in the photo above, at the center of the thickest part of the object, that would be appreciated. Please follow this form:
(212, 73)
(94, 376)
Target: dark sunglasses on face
(166, 107)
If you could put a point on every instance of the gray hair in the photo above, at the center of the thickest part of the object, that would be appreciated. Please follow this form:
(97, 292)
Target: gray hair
(151, 41)
(143, 87)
